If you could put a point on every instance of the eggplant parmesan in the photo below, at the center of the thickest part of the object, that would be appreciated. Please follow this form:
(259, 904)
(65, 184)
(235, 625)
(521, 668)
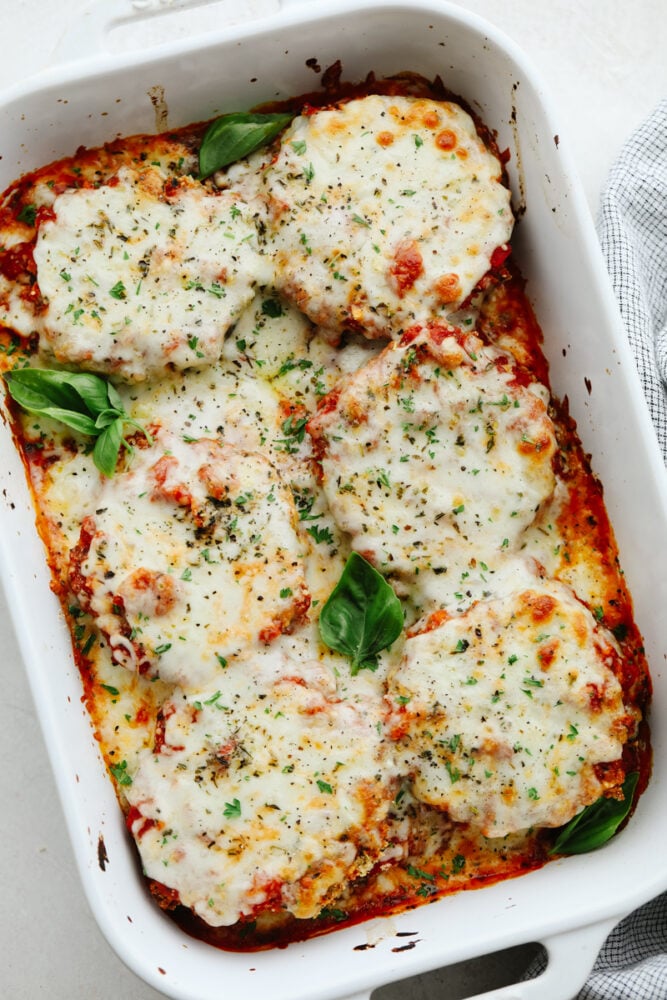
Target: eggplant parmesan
(428, 524)
(190, 557)
(267, 790)
(342, 588)
(505, 710)
(384, 212)
(133, 279)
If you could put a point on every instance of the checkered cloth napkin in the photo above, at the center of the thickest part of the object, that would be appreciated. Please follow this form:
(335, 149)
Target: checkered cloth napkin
(632, 226)
(633, 962)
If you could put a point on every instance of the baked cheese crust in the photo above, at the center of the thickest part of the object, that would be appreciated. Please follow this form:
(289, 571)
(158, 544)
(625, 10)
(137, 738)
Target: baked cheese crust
(436, 457)
(328, 354)
(267, 789)
(191, 556)
(143, 273)
(505, 710)
(383, 212)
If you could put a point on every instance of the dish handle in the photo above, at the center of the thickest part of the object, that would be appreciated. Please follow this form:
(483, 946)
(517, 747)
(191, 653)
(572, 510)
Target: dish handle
(571, 956)
(90, 29)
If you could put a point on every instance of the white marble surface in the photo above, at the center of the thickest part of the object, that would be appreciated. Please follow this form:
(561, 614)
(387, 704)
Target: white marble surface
(604, 63)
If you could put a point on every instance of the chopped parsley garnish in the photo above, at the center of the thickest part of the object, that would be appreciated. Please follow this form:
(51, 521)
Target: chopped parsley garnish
(119, 771)
(28, 214)
(320, 534)
(414, 872)
(232, 809)
(294, 429)
(272, 308)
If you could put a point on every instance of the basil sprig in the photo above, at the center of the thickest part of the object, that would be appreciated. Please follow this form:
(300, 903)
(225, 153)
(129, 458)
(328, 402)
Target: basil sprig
(236, 135)
(86, 403)
(597, 823)
(362, 616)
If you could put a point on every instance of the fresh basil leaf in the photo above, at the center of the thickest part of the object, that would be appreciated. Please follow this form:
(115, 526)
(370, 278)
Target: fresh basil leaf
(107, 417)
(362, 616)
(107, 447)
(113, 397)
(236, 135)
(80, 422)
(35, 401)
(35, 391)
(42, 387)
(87, 403)
(597, 823)
(93, 390)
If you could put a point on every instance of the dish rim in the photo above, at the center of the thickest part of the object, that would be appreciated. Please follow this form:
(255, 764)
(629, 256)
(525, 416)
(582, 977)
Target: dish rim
(76, 74)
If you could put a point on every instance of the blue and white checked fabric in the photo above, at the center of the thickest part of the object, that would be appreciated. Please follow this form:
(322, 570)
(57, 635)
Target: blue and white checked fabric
(633, 962)
(632, 226)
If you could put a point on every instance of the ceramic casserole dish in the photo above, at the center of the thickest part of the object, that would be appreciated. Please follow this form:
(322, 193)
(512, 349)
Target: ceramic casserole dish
(571, 904)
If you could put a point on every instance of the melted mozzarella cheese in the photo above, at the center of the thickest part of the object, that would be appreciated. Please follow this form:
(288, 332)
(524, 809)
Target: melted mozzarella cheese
(384, 211)
(223, 401)
(138, 280)
(505, 710)
(241, 402)
(435, 459)
(191, 556)
(271, 779)
(268, 789)
(276, 343)
(19, 305)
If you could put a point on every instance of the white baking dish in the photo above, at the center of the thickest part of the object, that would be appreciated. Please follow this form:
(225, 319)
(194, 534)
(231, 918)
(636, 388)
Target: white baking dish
(570, 905)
